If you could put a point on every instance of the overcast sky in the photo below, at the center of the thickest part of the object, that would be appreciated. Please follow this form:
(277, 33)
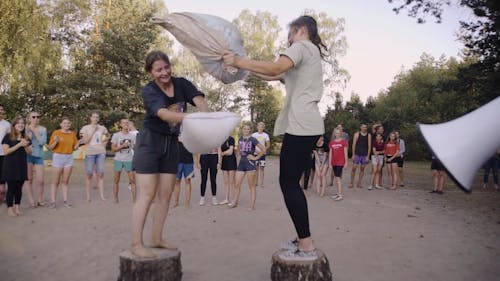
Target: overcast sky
(380, 43)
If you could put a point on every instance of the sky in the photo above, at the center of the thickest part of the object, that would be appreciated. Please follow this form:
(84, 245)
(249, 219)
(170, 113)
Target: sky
(380, 42)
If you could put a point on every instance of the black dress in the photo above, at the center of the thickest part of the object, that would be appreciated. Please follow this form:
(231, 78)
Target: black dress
(15, 166)
(228, 161)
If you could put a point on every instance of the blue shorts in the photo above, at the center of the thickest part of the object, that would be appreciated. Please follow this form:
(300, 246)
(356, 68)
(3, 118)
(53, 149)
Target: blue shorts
(360, 160)
(185, 170)
(34, 160)
(246, 165)
(122, 165)
(94, 160)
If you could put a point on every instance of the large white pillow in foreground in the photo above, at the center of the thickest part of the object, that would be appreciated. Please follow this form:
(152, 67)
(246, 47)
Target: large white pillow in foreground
(203, 131)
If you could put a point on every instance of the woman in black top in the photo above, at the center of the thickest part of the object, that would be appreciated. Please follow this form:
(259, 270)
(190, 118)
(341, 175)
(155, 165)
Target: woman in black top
(228, 167)
(16, 146)
(156, 155)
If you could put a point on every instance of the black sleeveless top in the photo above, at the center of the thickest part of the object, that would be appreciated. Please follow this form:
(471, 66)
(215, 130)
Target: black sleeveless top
(361, 148)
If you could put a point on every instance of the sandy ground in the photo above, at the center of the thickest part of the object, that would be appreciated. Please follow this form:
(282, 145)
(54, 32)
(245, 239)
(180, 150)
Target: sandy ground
(406, 234)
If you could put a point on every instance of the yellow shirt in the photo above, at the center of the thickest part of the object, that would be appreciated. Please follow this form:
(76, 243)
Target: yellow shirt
(67, 142)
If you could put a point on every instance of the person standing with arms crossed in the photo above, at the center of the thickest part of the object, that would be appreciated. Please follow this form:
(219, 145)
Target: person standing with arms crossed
(361, 145)
(300, 120)
(156, 156)
(263, 139)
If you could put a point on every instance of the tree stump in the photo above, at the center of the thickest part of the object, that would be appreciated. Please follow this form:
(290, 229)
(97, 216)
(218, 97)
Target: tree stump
(316, 270)
(165, 267)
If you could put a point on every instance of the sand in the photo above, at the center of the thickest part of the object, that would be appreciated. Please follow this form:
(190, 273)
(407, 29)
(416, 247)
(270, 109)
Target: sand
(407, 234)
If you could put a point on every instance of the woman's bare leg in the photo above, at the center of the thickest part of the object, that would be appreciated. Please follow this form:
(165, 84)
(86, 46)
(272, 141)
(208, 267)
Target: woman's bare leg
(140, 209)
(252, 185)
(237, 186)
(164, 189)
(66, 174)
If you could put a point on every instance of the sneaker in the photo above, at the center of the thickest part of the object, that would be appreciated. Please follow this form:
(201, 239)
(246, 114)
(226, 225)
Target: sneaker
(67, 205)
(378, 187)
(370, 187)
(334, 196)
(338, 198)
(439, 192)
(202, 201)
(52, 205)
(292, 245)
(214, 201)
(224, 202)
(298, 255)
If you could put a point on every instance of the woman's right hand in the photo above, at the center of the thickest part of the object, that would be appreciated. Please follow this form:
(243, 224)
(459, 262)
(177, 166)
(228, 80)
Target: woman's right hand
(229, 58)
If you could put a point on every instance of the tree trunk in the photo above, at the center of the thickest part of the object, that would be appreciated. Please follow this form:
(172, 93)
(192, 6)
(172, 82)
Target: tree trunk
(165, 267)
(316, 270)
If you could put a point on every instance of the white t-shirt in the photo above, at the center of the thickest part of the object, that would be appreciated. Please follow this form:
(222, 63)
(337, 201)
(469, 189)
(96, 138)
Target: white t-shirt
(127, 153)
(96, 143)
(262, 138)
(304, 87)
(4, 129)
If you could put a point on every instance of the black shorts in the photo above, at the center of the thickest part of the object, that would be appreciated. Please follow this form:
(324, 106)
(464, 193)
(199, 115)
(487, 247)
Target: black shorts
(395, 160)
(437, 165)
(337, 171)
(400, 161)
(228, 163)
(155, 153)
(1, 170)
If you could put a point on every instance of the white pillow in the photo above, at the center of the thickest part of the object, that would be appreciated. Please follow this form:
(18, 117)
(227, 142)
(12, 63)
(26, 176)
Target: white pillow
(201, 132)
(207, 37)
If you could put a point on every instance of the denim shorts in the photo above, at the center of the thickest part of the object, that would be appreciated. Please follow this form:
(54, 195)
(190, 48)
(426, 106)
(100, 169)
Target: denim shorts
(62, 160)
(185, 170)
(122, 165)
(378, 159)
(34, 160)
(246, 165)
(94, 160)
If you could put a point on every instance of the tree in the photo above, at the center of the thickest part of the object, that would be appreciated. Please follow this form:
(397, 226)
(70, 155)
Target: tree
(260, 33)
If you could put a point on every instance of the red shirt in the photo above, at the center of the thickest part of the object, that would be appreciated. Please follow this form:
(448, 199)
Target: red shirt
(338, 154)
(391, 148)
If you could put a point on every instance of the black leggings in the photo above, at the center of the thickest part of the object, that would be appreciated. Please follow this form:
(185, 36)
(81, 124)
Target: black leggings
(209, 162)
(14, 192)
(295, 155)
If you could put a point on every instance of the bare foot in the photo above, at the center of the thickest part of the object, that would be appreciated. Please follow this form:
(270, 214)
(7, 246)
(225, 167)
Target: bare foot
(232, 205)
(250, 209)
(165, 245)
(143, 252)
(175, 204)
(17, 210)
(117, 201)
(11, 212)
(103, 198)
(351, 185)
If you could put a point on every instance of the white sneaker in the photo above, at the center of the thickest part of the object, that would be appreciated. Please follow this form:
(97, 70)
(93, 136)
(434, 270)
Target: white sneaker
(202, 201)
(297, 255)
(378, 186)
(370, 187)
(224, 202)
(214, 201)
(338, 198)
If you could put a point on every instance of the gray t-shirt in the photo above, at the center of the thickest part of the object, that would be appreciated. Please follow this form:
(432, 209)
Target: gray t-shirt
(125, 154)
(304, 87)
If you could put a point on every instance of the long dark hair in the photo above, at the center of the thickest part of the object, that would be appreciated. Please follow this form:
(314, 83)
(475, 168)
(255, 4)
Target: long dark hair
(312, 28)
(155, 56)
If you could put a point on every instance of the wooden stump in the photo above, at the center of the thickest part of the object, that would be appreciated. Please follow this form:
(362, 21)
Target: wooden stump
(165, 267)
(316, 270)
